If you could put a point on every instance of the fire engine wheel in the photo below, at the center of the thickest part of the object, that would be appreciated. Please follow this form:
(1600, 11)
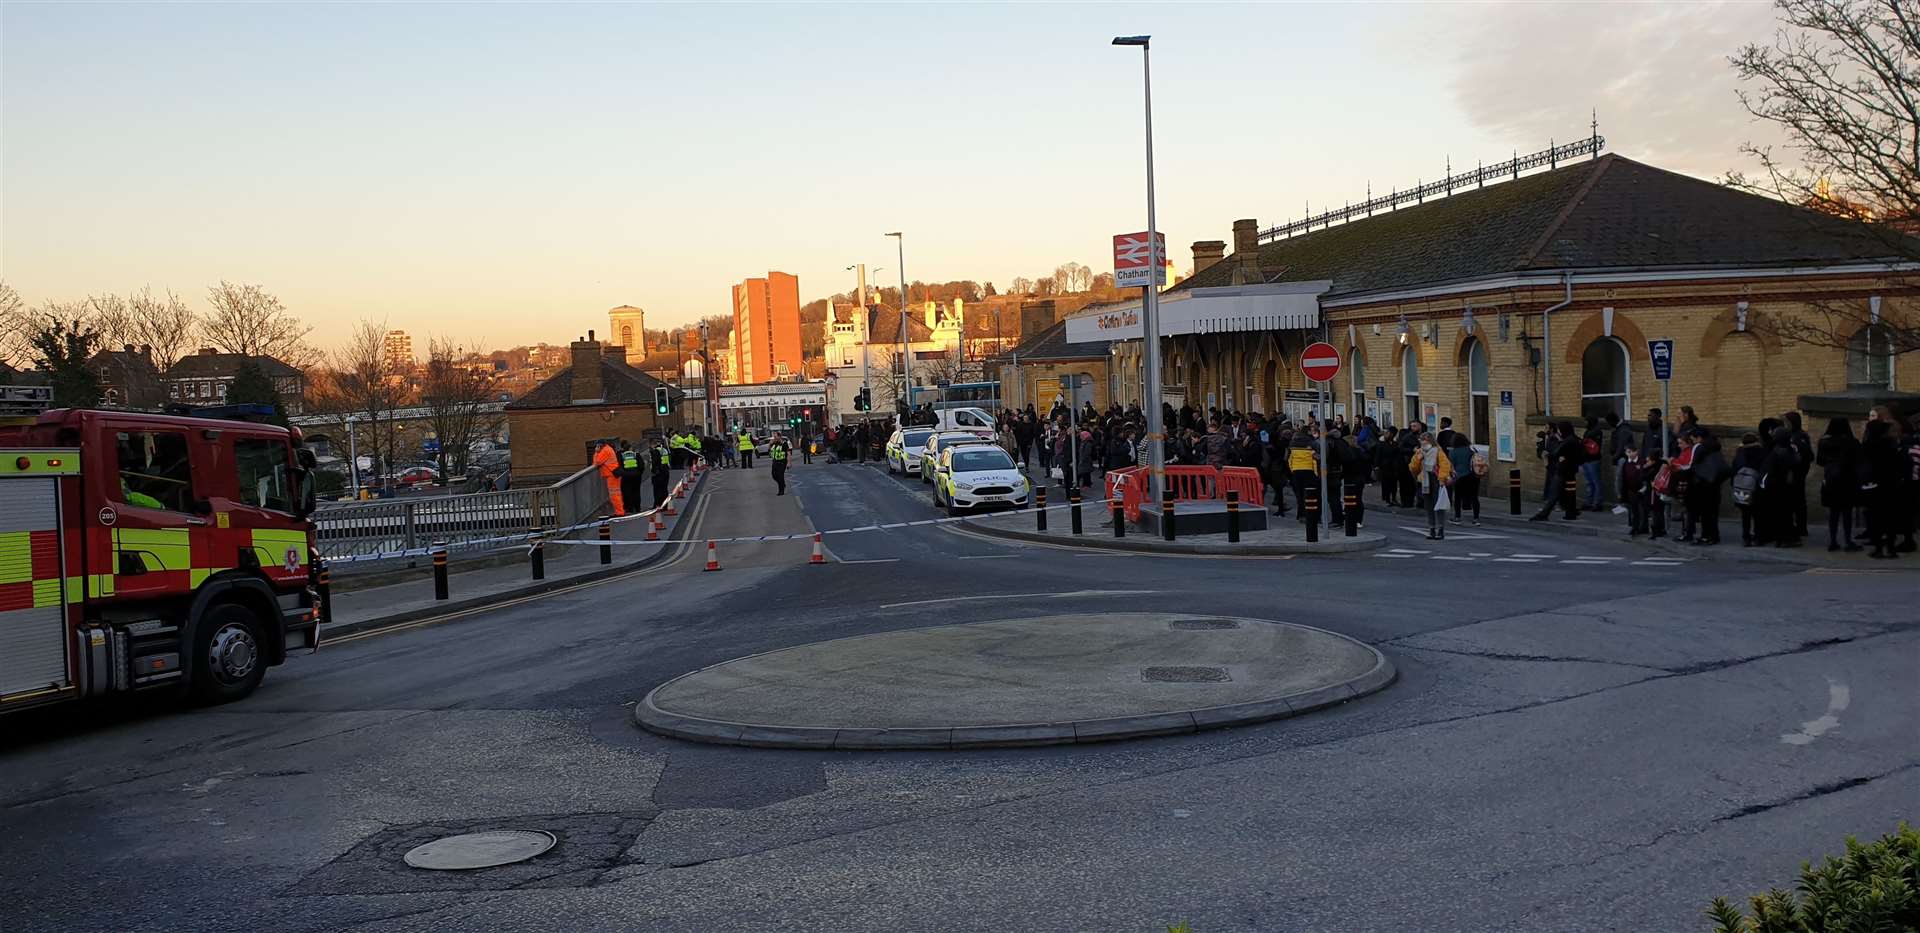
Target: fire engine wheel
(226, 655)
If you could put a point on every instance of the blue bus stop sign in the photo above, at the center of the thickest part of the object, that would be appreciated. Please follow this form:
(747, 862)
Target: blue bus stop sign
(1661, 352)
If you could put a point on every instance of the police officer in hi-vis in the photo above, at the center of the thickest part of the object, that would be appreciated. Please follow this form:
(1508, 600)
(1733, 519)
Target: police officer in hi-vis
(662, 465)
(777, 456)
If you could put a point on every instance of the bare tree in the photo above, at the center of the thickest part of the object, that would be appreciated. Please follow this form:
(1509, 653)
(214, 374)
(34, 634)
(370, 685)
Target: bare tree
(17, 327)
(1072, 277)
(1841, 82)
(162, 322)
(1021, 285)
(249, 320)
(455, 394)
(357, 391)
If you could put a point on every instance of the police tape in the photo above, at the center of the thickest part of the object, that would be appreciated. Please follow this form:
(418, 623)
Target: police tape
(808, 535)
(501, 542)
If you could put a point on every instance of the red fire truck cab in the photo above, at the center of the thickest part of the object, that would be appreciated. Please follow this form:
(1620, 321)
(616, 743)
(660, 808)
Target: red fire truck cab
(151, 552)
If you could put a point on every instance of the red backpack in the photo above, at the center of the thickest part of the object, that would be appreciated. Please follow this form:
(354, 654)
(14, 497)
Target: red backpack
(1592, 447)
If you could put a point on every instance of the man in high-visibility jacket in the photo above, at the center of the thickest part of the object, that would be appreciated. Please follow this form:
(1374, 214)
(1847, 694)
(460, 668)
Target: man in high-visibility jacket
(632, 468)
(662, 465)
(608, 463)
(777, 456)
(744, 444)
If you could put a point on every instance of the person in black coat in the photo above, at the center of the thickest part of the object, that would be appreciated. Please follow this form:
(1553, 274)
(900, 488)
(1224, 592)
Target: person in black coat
(1783, 464)
(1803, 464)
(1750, 456)
(1703, 492)
(1881, 492)
(1839, 459)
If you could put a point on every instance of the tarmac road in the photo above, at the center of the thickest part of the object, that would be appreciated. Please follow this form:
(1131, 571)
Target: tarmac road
(1600, 745)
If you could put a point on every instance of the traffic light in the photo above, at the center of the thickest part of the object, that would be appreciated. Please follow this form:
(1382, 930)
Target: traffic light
(661, 404)
(860, 402)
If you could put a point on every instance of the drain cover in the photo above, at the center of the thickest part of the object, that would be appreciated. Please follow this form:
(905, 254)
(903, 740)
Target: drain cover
(480, 850)
(1184, 675)
(1202, 625)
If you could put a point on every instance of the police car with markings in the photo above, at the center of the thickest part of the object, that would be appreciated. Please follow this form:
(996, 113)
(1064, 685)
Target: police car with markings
(904, 448)
(930, 451)
(977, 476)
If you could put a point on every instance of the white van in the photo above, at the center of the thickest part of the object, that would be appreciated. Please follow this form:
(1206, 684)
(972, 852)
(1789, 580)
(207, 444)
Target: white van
(973, 420)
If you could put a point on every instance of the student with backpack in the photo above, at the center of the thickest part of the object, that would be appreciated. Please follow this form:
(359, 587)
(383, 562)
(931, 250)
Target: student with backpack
(1468, 466)
(1636, 473)
(1749, 465)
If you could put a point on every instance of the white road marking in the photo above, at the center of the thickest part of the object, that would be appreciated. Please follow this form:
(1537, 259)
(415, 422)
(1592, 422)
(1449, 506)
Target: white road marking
(1655, 563)
(1479, 554)
(1585, 563)
(1591, 557)
(1537, 556)
(986, 556)
(1406, 550)
(1449, 557)
(1398, 556)
(1462, 535)
(877, 560)
(1838, 698)
(1069, 595)
(1516, 560)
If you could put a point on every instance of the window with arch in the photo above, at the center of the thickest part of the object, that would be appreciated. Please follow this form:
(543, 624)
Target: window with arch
(1604, 384)
(626, 335)
(1870, 358)
(1473, 356)
(1357, 375)
(1410, 383)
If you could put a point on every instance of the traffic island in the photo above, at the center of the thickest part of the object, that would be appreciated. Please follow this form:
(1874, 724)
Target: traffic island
(1051, 680)
(1281, 535)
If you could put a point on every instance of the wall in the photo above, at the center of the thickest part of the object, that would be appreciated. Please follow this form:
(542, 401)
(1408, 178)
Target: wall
(1038, 381)
(550, 443)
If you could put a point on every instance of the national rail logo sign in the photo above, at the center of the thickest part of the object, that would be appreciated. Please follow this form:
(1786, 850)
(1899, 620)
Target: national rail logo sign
(1132, 260)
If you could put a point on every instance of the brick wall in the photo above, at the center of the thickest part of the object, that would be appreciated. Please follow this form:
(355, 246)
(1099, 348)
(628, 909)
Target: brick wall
(549, 444)
(1033, 375)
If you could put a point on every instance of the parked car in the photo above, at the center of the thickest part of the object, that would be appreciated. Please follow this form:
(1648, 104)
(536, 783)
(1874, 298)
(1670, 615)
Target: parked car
(416, 476)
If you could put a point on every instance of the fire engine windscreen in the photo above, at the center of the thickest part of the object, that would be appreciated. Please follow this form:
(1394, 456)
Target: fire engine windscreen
(262, 465)
(153, 470)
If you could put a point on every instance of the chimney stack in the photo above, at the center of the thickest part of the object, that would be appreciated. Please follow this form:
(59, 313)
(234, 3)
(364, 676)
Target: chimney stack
(1208, 252)
(587, 387)
(1246, 253)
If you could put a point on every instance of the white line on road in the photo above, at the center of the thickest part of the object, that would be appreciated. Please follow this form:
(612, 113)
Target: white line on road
(1591, 557)
(1479, 554)
(1398, 556)
(1516, 560)
(1585, 563)
(1838, 698)
(1449, 557)
(877, 560)
(1406, 550)
(986, 556)
(1538, 556)
(1069, 595)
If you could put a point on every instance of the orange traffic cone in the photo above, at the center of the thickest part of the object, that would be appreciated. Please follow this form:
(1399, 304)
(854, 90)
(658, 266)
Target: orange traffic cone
(819, 553)
(653, 530)
(713, 556)
(666, 508)
(680, 491)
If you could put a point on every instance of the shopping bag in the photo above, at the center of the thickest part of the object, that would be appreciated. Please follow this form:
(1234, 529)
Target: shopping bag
(1441, 502)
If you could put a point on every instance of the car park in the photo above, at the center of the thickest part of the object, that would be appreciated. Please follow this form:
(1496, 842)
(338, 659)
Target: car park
(904, 447)
(930, 452)
(978, 476)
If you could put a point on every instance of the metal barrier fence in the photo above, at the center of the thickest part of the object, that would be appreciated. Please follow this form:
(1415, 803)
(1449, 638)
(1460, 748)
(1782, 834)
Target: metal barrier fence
(403, 524)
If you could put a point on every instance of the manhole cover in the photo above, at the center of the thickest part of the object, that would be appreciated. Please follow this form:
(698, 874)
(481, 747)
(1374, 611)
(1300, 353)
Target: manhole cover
(1184, 675)
(1202, 625)
(480, 850)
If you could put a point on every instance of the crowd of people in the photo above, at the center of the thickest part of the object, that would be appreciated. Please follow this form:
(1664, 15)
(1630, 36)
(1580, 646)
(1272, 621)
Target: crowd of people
(1655, 477)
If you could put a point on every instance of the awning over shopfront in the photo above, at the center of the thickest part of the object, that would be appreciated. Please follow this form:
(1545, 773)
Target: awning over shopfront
(1221, 310)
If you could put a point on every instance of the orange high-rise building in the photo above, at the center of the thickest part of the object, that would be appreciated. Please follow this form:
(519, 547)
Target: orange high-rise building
(766, 327)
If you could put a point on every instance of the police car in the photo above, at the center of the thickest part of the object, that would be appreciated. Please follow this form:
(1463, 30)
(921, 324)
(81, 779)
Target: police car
(904, 447)
(977, 476)
(937, 442)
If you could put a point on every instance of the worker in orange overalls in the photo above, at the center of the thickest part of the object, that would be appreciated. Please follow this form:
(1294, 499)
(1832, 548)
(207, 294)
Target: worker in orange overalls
(609, 463)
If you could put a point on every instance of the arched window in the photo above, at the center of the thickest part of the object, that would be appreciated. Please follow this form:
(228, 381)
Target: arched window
(1474, 357)
(1870, 358)
(1603, 379)
(626, 335)
(1357, 375)
(1410, 383)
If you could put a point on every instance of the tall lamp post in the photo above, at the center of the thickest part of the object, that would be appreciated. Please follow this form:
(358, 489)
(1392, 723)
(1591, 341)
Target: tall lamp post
(906, 353)
(1150, 298)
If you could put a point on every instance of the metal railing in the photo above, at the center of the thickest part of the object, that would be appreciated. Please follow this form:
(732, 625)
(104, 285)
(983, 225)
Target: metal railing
(404, 524)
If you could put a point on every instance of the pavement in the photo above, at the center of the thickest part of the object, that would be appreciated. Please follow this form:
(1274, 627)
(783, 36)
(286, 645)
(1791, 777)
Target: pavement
(1282, 535)
(1587, 740)
(1046, 680)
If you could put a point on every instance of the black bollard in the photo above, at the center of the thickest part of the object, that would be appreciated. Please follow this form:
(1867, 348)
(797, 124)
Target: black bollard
(538, 555)
(439, 570)
(1040, 508)
(1073, 498)
(1310, 513)
(1119, 519)
(1233, 517)
(606, 549)
(1352, 503)
(1166, 518)
(1513, 492)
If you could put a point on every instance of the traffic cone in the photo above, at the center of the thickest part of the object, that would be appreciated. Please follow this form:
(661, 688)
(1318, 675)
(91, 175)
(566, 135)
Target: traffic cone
(653, 530)
(666, 508)
(713, 556)
(819, 552)
(680, 491)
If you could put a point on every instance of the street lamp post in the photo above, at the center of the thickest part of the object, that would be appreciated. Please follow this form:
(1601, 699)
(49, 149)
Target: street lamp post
(906, 353)
(1150, 297)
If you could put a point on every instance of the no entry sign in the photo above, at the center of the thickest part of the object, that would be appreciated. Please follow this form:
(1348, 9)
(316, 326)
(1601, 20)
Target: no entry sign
(1320, 362)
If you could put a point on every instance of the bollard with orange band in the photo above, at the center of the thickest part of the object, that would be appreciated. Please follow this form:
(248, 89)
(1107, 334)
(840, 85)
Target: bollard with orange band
(606, 548)
(439, 570)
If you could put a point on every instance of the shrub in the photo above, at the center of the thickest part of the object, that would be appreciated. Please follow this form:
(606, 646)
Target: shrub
(1873, 888)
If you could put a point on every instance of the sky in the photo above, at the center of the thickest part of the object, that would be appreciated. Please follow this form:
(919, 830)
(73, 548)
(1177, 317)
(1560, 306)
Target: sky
(502, 173)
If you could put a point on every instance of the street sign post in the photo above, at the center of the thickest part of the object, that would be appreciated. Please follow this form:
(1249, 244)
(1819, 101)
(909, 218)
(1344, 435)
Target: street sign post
(1133, 261)
(1661, 353)
(1320, 362)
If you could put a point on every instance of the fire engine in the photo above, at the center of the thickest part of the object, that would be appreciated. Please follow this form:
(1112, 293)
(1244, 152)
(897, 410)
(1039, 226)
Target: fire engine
(145, 552)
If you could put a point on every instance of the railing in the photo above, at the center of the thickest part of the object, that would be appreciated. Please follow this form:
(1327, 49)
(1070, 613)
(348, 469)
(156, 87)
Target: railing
(1187, 484)
(404, 524)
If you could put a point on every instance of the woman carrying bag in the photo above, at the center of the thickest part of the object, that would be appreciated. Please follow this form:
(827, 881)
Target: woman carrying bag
(1432, 473)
